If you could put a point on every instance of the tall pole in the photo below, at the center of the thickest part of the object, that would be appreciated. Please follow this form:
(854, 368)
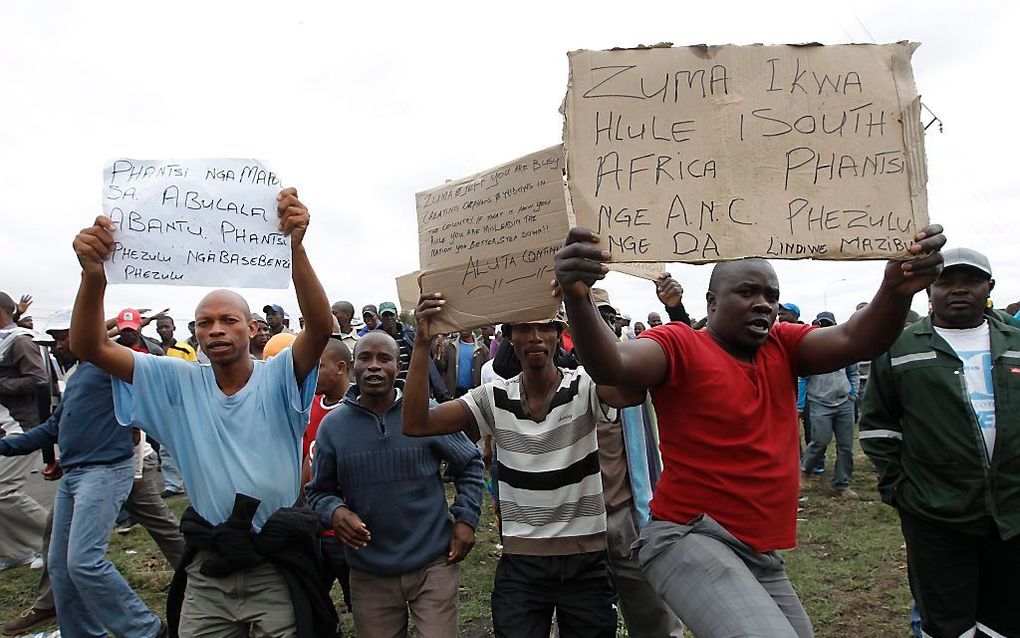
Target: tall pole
(825, 294)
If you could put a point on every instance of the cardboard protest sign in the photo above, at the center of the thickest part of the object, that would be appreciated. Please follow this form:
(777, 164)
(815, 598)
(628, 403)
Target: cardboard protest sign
(701, 154)
(202, 222)
(649, 270)
(407, 291)
(487, 242)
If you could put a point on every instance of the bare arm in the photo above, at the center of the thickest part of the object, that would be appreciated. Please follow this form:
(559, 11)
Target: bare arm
(311, 297)
(872, 330)
(620, 397)
(88, 337)
(418, 418)
(638, 364)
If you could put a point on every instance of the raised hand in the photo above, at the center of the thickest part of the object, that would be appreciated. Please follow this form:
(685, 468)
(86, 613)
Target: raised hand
(293, 215)
(916, 274)
(26, 301)
(579, 263)
(429, 305)
(669, 290)
(94, 245)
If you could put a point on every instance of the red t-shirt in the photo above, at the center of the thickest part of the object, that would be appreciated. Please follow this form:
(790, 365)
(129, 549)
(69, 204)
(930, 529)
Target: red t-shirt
(319, 410)
(728, 434)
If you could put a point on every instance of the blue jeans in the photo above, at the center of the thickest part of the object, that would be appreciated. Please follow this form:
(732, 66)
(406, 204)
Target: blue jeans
(827, 421)
(93, 599)
(172, 480)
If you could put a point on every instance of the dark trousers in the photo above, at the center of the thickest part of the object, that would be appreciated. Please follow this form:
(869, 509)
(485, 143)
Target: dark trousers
(577, 586)
(336, 567)
(962, 580)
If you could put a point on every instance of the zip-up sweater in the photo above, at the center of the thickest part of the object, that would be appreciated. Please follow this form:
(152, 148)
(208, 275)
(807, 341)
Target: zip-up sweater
(919, 429)
(393, 483)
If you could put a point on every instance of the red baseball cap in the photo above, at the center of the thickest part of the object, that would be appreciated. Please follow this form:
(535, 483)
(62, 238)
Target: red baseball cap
(129, 318)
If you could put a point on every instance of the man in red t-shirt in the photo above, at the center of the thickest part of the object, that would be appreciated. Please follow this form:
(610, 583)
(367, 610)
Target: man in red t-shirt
(726, 403)
(330, 388)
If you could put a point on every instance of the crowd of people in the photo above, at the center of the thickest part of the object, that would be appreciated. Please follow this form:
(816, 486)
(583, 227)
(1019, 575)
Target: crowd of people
(651, 470)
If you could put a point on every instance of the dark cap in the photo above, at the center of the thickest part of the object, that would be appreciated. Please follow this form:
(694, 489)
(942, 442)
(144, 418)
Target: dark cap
(957, 257)
(825, 317)
(268, 308)
(369, 309)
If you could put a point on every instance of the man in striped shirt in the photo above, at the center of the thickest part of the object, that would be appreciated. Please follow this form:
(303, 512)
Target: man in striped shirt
(543, 422)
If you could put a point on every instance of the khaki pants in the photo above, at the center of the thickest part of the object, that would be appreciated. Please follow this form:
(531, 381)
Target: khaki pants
(22, 520)
(381, 603)
(226, 607)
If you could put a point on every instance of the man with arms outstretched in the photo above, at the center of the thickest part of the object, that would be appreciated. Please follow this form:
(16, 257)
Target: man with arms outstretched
(725, 399)
(234, 427)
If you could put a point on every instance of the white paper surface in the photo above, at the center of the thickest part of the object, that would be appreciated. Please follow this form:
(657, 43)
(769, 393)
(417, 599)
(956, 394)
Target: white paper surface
(197, 222)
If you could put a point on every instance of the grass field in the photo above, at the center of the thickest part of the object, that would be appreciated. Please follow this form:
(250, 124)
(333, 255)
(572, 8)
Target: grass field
(850, 567)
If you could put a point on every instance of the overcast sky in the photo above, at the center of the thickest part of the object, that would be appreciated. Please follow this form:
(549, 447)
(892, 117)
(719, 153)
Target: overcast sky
(360, 105)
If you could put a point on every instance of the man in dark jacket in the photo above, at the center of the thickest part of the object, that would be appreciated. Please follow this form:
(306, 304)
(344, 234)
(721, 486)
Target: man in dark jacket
(460, 363)
(22, 379)
(382, 493)
(941, 422)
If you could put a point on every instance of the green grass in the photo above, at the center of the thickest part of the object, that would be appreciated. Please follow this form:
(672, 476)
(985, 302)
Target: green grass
(849, 569)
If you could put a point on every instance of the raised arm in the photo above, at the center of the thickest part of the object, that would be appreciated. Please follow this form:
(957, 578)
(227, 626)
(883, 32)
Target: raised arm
(311, 297)
(638, 364)
(88, 338)
(418, 418)
(874, 328)
(671, 294)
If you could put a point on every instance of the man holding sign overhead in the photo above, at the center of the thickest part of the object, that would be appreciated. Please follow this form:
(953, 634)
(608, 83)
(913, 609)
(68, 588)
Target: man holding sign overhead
(227, 424)
(725, 399)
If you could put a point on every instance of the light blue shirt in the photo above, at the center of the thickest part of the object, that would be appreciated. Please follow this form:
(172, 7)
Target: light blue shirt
(248, 443)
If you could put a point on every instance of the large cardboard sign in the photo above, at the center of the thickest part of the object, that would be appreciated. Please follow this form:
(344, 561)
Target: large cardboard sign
(488, 241)
(709, 153)
(202, 222)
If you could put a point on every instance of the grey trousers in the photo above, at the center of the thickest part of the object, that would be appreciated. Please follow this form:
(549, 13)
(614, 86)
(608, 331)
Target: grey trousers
(253, 603)
(717, 585)
(22, 519)
(644, 613)
(148, 509)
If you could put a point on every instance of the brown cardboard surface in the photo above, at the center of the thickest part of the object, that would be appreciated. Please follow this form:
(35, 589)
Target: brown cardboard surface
(709, 153)
(488, 241)
(648, 270)
(407, 291)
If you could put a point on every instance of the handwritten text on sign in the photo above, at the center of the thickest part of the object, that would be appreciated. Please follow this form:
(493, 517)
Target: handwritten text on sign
(488, 241)
(699, 154)
(205, 222)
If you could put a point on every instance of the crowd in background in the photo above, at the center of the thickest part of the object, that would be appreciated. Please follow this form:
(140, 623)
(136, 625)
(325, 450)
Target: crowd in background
(648, 467)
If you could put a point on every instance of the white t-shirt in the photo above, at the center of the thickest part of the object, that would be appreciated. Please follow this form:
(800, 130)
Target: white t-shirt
(973, 347)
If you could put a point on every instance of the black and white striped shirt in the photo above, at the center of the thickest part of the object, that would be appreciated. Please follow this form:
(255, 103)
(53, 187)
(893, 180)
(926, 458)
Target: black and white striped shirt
(550, 486)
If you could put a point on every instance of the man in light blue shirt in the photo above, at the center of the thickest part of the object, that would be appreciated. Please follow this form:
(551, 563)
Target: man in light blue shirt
(234, 426)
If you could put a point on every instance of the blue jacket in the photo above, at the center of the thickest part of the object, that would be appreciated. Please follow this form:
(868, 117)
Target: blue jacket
(393, 483)
(83, 425)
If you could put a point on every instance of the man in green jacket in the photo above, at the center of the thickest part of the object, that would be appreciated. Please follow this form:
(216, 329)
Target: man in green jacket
(941, 422)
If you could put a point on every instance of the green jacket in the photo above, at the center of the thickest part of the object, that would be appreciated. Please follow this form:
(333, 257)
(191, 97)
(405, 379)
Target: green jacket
(919, 429)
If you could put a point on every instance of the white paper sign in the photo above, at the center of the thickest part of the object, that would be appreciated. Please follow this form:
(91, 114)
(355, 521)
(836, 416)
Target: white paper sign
(201, 222)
